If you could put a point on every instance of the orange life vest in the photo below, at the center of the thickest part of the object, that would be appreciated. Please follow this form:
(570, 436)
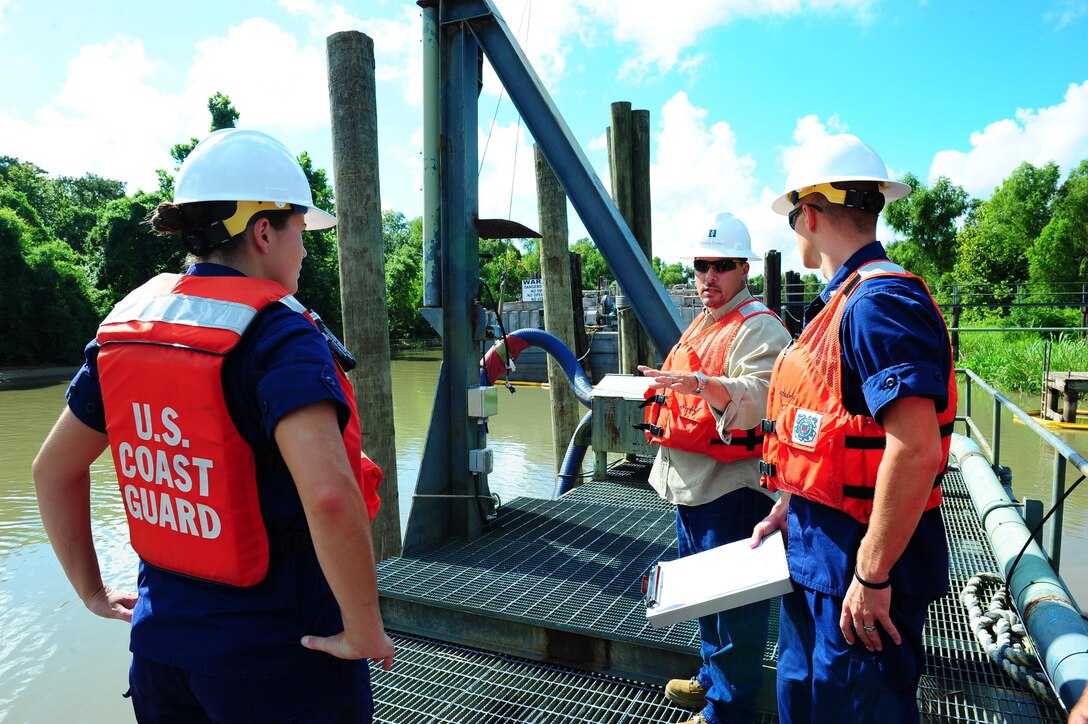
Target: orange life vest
(188, 479)
(685, 422)
(815, 448)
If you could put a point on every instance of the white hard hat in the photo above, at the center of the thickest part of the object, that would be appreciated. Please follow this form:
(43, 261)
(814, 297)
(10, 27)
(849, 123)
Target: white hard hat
(726, 239)
(233, 164)
(842, 157)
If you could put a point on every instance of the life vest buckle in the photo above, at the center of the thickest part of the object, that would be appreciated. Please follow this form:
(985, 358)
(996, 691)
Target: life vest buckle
(766, 468)
(767, 427)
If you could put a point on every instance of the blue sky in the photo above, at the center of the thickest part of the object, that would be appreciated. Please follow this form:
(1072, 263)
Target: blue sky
(733, 87)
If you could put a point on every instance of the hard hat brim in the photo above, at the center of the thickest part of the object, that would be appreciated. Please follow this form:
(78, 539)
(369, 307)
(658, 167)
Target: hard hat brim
(892, 190)
(317, 219)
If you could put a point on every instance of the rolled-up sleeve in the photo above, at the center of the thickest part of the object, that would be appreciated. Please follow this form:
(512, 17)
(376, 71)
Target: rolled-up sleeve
(748, 373)
(896, 344)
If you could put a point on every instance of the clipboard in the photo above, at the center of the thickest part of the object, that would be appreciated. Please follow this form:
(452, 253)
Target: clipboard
(716, 580)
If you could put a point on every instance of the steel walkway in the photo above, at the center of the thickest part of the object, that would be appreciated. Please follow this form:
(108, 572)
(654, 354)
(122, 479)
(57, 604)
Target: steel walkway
(541, 620)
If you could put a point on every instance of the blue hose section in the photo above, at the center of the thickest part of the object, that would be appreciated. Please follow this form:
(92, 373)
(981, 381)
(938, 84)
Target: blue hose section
(561, 353)
(571, 469)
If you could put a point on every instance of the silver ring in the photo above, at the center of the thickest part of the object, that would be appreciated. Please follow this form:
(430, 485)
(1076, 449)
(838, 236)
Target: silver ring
(868, 629)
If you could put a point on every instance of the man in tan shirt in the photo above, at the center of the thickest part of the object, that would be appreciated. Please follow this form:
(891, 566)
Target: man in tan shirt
(711, 395)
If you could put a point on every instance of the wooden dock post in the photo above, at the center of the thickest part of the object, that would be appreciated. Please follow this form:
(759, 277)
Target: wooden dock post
(559, 318)
(625, 161)
(1066, 386)
(362, 264)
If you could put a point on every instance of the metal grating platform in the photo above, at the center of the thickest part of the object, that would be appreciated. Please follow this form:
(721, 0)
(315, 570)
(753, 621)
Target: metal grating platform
(559, 573)
(434, 681)
(961, 683)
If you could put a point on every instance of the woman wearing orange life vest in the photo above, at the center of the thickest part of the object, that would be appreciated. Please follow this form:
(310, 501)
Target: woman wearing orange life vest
(236, 442)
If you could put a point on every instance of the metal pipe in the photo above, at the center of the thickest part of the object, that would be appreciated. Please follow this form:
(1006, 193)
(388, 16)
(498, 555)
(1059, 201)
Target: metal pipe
(1046, 607)
(432, 266)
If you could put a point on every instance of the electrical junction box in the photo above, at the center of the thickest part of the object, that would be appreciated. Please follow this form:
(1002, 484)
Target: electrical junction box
(481, 461)
(483, 401)
(617, 401)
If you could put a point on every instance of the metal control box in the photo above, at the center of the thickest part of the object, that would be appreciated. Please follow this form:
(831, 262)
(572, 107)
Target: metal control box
(483, 401)
(617, 401)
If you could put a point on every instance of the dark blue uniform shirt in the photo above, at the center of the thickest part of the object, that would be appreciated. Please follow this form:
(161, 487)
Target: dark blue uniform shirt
(281, 364)
(894, 345)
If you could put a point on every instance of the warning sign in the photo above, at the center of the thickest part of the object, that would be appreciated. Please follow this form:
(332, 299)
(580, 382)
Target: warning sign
(532, 290)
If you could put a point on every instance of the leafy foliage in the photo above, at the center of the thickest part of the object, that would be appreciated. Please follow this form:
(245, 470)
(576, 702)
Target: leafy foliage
(993, 245)
(927, 218)
(124, 251)
(595, 271)
(1060, 254)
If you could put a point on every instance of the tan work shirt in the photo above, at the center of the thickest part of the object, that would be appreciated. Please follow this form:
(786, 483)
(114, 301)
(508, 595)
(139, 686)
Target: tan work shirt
(688, 478)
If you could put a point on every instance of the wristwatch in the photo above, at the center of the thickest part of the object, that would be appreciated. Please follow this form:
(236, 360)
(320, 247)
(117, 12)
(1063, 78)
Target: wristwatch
(700, 383)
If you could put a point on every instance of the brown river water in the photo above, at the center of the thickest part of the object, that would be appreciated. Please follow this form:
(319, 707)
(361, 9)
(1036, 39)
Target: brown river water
(60, 663)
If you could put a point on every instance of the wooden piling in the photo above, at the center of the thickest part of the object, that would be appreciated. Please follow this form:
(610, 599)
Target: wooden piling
(551, 203)
(625, 163)
(362, 265)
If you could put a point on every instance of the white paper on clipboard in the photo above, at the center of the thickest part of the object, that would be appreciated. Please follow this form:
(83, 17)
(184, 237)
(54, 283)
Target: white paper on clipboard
(716, 580)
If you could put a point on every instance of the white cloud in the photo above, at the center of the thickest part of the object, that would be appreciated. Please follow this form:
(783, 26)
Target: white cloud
(107, 118)
(1065, 13)
(663, 38)
(274, 82)
(697, 172)
(1058, 133)
(3, 7)
(507, 185)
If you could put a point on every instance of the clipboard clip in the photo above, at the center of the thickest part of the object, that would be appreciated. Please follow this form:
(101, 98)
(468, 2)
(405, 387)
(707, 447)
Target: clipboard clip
(651, 586)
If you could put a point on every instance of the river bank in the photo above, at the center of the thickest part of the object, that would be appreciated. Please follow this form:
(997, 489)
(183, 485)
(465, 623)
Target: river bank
(29, 378)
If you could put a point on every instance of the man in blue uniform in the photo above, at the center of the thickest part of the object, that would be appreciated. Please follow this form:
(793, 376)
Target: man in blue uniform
(867, 554)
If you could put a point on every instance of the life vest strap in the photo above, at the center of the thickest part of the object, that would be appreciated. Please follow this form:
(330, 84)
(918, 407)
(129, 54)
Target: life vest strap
(651, 428)
(657, 399)
(861, 492)
(749, 440)
(855, 442)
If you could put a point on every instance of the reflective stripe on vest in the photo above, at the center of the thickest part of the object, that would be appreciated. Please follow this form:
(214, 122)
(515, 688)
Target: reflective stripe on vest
(187, 477)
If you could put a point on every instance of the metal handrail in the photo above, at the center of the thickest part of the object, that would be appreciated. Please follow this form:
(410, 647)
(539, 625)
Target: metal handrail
(1064, 453)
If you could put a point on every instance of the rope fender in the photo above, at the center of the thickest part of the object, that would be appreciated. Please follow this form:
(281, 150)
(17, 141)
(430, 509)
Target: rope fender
(1001, 633)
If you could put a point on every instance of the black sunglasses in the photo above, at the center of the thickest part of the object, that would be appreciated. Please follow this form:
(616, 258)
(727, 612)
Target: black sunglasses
(796, 212)
(720, 265)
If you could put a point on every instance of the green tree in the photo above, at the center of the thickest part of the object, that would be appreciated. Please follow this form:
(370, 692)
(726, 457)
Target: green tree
(670, 274)
(319, 281)
(126, 252)
(594, 267)
(927, 218)
(502, 269)
(403, 242)
(1060, 254)
(993, 245)
(47, 297)
(224, 115)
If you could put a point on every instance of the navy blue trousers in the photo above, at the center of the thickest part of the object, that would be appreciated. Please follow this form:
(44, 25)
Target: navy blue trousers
(823, 679)
(732, 642)
(338, 694)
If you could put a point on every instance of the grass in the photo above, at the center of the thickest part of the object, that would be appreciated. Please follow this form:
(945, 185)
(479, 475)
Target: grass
(1016, 360)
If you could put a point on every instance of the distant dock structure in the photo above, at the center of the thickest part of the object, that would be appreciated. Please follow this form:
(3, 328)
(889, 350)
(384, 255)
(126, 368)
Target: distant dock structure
(1062, 392)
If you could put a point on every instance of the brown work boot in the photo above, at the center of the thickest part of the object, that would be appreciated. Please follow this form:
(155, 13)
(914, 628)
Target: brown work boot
(688, 693)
